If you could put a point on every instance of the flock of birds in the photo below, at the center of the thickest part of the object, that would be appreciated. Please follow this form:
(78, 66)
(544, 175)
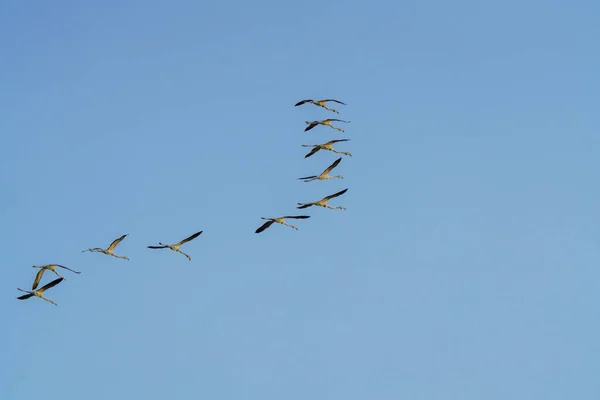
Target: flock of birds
(323, 175)
(35, 292)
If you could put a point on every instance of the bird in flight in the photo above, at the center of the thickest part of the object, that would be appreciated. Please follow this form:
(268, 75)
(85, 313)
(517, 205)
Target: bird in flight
(110, 249)
(325, 174)
(40, 292)
(49, 267)
(281, 220)
(326, 122)
(323, 202)
(175, 247)
(326, 146)
(320, 103)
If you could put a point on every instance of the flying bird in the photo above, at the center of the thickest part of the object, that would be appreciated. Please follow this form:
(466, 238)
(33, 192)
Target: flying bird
(325, 174)
(110, 249)
(175, 247)
(320, 103)
(323, 202)
(326, 146)
(49, 267)
(326, 122)
(40, 292)
(271, 221)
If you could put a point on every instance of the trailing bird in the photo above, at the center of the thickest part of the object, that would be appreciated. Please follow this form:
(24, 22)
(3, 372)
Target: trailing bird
(326, 122)
(49, 267)
(323, 202)
(110, 249)
(175, 247)
(325, 174)
(40, 292)
(280, 220)
(326, 146)
(320, 103)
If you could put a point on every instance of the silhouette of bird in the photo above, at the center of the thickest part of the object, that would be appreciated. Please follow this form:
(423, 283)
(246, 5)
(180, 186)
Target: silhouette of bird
(48, 267)
(40, 292)
(175, 247)
(110, 249)
(323, 202)
(280, 220)
(326, 146)
(325, 122)
(325, 174)
(320, 103)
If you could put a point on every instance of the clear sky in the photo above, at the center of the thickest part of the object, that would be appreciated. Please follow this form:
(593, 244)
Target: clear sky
(467, 264)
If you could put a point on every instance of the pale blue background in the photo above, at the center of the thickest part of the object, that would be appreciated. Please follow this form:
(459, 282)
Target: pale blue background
(466, 267)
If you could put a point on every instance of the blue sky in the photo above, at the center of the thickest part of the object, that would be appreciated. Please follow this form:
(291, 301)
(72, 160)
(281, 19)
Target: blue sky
(465, 267)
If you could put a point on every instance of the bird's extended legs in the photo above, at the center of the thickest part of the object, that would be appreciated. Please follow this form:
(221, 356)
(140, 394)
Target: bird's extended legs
(188, 257)
(331, 109)
(123, 257)
(339, 129)
(291, 226)
(48, 300)
(335, 208)
(57, 274)
(342, 152)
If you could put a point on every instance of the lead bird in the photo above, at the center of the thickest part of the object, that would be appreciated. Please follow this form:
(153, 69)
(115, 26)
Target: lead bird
(111, 248)
(175, 247)
(326, 146)
(323, 202)
(280, 220)
(325, 122)
(40, 292)
(325, 174)
(48, 267)
(320, 103)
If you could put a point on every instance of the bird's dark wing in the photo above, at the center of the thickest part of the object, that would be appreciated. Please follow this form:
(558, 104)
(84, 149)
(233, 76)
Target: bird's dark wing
(194, 236)
(38, 278)
(308, 177)
(335, 194)
(157, 247)
(302, 102)
(25, 296)
(334, 119)
(337, 101)
(62, 266)
(264, 226)
(337, 140)
(311, 125)
(51, 284)
(332, 166)
(116, 242)
(297, 216)
(313, 151)
(304, 205)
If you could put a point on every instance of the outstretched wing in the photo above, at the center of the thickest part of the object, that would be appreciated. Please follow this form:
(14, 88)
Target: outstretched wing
(335, 194)
(51, 284)
(340, 120)
(157, 247)
(25, 296)
(311, 125)
(297, 216)
(38, 278)
(264, 226)
(301, 206)
(302, 102)
(332, 166)
(116, 242)
(308, 177)
(313, 151)
(194, 236)
(337, 140)
(62, 266)
(337, 101)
